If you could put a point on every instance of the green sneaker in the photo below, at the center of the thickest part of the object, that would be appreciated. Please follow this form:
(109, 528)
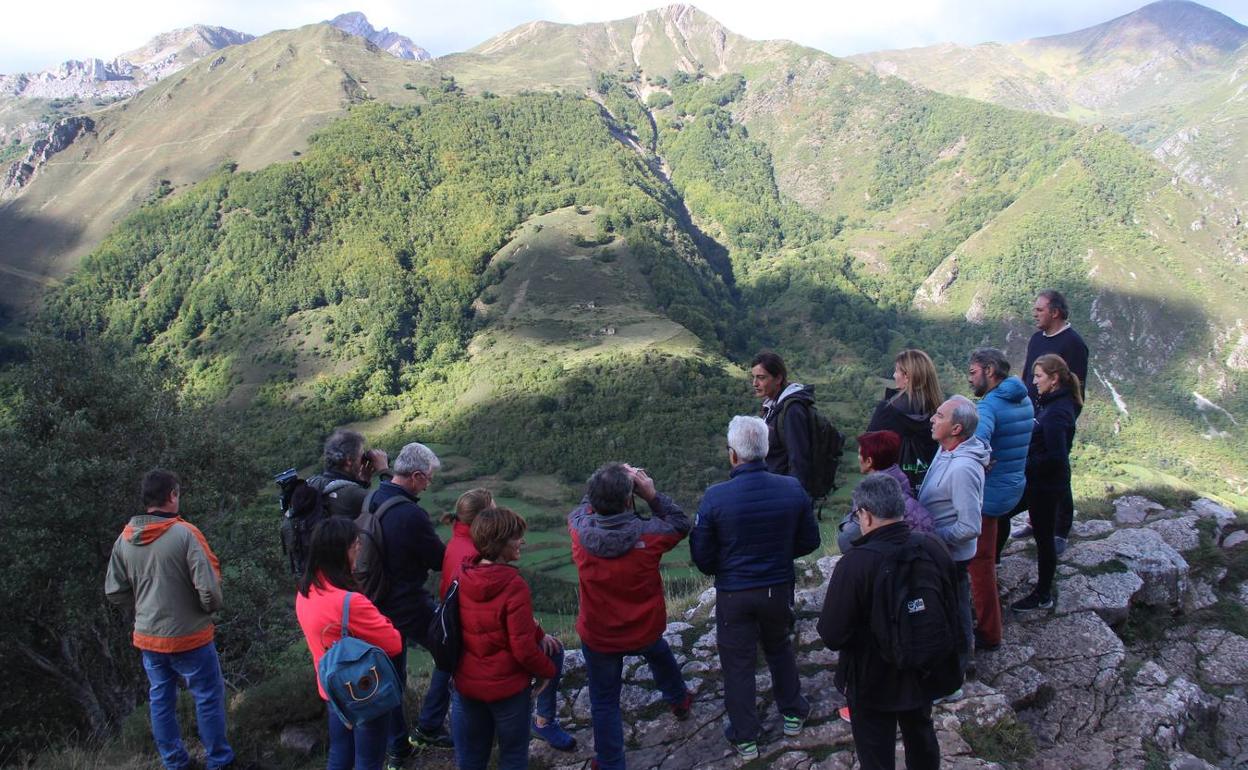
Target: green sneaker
(746, 749)
(793, 724)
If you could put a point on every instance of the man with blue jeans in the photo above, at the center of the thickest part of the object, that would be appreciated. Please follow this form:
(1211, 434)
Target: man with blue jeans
(622, 607)
(748, 531)
(163, 567)
(410, 549)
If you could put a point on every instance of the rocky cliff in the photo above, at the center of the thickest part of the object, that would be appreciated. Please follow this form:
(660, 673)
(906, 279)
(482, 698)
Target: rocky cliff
(60, 136)
(356, 23)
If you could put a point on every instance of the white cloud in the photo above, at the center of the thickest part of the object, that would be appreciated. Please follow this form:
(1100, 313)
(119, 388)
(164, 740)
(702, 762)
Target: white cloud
(82, 28)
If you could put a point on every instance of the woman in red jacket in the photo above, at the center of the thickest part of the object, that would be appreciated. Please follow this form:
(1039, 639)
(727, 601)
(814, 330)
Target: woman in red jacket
(319, 609)
(460, 547)
(504, 650)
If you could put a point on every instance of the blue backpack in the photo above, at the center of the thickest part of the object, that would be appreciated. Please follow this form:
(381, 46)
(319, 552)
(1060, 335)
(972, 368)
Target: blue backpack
(358, 677)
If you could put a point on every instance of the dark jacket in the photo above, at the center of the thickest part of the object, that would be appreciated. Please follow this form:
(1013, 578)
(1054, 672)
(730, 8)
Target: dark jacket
(1048, 458)
(788, 445)
(412, 550)
(750, 528)
(918, 517)
(845, 625)
(1067, 344)
(1005, 418)
(501, 640)
(346, 496)
(622, 607)
(915, 429)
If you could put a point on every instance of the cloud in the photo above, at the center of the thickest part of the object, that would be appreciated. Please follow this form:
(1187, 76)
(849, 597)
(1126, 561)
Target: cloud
(29, 40)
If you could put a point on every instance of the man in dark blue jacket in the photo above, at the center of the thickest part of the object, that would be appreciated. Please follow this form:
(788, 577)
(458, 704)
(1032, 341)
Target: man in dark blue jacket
(748, 531)
(410, 549)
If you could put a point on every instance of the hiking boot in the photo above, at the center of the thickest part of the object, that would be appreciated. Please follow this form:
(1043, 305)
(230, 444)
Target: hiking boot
(556, 736)
(746, 749)
(843, 713)
(425, 739)
(1059, 544)
(983, 645)
(1033, 601)
(682, 709)
(956, 695)
(793, 724)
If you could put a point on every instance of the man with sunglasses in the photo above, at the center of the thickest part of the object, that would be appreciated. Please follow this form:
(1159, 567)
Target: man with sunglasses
(411, 548)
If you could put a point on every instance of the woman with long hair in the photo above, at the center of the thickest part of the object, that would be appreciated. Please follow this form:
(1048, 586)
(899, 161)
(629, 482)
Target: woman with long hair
(1048, 467)
(907, 410)
(318, 605)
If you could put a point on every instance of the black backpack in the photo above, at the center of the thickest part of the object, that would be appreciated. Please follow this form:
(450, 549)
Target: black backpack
(303, 507)
(914, 614)
(446, 638)
(911, 461)
(370, 561)
(826, 445)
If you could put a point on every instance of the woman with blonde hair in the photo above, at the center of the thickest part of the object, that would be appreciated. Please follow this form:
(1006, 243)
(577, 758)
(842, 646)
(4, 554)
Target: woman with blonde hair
(907, 410)
(1048, 467)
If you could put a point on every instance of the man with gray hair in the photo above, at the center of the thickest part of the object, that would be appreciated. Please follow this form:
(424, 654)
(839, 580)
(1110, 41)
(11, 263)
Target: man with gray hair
(884, 692)
(410, 550)
(747, 533)
(953, 492)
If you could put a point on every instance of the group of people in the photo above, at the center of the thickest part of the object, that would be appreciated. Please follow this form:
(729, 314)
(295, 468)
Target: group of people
(939, 474)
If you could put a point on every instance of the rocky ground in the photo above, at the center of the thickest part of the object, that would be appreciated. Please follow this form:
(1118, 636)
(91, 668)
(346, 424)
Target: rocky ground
(1143, 663)
(1135, 667)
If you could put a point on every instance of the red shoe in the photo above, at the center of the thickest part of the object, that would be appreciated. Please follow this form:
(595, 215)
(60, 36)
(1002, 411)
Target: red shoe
(843, 713)
(681, 710)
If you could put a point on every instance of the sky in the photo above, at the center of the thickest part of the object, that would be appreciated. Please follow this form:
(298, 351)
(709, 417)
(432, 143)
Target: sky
(92, 29)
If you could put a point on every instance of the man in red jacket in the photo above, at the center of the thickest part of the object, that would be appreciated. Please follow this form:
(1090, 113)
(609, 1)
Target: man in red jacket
(622, 607)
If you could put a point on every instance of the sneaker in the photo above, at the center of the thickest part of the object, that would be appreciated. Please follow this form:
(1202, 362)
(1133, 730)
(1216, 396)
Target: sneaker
(1059, 544)
(395, 761)
(746, 749)
(843, 713)
(793, 724)
(682, 709)
(1021, 531)
(425, 739)
(1033, 601)
(956, 695)
(556, 736)
(983, 645)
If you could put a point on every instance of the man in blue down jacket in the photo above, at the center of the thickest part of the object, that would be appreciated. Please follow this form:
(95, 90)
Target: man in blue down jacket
(748, 531)
(1005, 422)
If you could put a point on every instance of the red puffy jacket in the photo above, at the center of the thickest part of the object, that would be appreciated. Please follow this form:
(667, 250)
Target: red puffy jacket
(501, 639)
(458, 550)
(622, 608)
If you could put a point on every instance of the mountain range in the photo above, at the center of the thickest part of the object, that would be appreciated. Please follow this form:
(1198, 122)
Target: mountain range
(735, 193)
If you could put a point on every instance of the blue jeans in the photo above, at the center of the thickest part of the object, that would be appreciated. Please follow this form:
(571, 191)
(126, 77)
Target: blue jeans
(432, 711)
(545, 705)
(362, 748)
(605, 671)
(200, 670)
(475, 723)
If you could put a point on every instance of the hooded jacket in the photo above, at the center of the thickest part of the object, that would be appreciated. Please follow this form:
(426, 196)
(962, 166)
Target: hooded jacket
(749, 529)
(1048, 459)
(915, 429)
(1005, 420)
(622, 607)
(918, 517)
(501, 650)
(163, 566)
(953, 493)
(862, 674)
(320, 617)
(459, 549)
(788, 445)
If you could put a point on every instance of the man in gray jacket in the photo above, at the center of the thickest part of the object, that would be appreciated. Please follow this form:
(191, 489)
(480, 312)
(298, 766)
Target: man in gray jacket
(953, 492)
(163, 567)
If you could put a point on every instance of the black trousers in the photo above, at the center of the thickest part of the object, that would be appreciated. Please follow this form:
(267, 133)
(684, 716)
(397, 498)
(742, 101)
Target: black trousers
(1046, 507)
(875, 738)
(1007, 522)
(743, 619)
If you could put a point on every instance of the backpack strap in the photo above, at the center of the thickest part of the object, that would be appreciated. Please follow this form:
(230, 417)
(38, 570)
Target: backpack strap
(336, 485)
(346, 614)
(381, 511)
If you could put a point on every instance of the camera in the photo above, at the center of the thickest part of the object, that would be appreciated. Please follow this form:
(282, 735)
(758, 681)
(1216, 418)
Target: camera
(286, 482)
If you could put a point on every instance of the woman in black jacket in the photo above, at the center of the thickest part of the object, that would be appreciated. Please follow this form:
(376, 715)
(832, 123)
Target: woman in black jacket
(907, 411)
(1048, 467)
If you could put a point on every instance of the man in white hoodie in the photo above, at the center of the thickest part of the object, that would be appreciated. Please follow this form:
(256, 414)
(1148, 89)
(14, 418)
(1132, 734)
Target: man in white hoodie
(953, 492)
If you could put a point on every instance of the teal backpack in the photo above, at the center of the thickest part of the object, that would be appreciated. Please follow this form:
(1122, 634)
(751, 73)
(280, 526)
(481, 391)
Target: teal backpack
(359, 679)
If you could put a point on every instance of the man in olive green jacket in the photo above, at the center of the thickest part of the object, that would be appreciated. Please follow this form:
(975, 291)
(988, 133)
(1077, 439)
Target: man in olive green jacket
(163, 567)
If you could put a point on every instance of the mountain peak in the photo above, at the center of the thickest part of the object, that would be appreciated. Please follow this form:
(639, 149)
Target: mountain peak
(1190, 29)
(356, 23)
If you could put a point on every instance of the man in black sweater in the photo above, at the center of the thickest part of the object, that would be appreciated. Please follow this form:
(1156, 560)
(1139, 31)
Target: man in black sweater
(1054, 334)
